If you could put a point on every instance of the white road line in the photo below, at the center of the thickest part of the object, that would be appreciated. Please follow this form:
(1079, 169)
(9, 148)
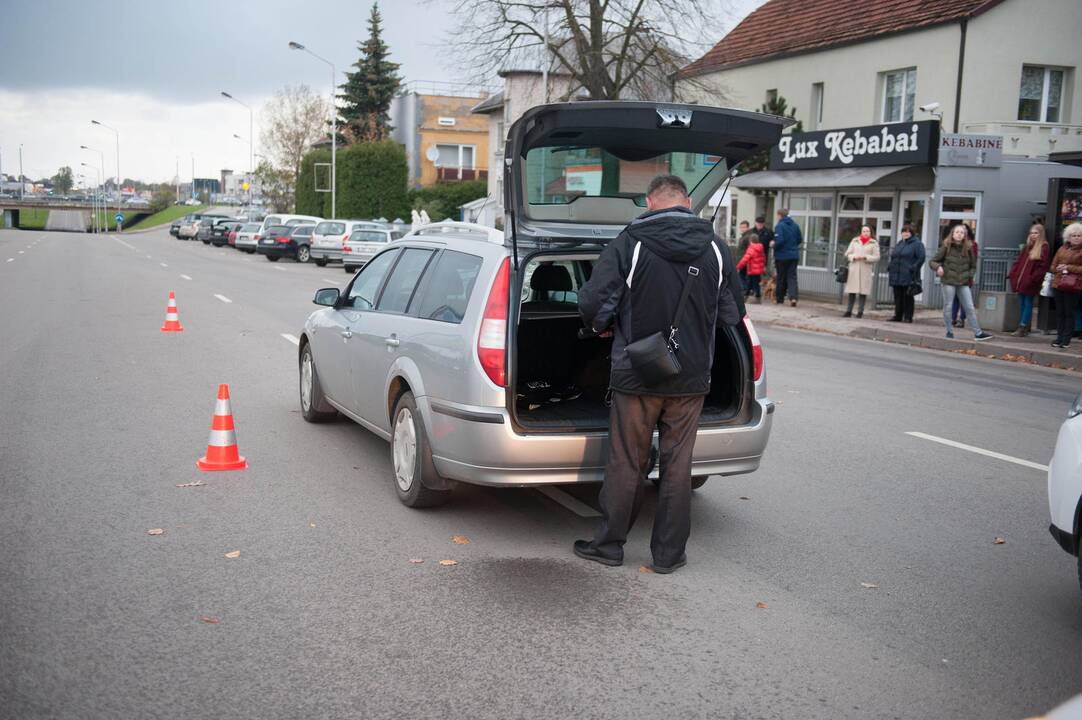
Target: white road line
(292, 338)
(185, 276)
(127, 245)
(11, 259)
(980, 451)
(163, 264)
(279, 267)
(571, 503)
(223, 298)
(22, 252)
(333, 282)
(148, 257)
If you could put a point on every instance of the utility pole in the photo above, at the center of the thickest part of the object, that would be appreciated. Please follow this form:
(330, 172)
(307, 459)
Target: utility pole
(176, 178)
(21, 171)
(334, 125)
(193, 176)
(118, 178)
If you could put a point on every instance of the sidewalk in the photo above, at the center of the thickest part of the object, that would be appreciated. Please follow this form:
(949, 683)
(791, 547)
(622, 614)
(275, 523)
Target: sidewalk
(925, 331)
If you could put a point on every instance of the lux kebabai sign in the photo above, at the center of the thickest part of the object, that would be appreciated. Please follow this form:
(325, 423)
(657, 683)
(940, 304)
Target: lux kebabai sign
(912, 143)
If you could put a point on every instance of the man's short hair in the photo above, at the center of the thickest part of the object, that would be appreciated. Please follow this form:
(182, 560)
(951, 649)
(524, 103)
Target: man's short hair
(784, 212)
(760, 219)
(743, 223)
(667, 185)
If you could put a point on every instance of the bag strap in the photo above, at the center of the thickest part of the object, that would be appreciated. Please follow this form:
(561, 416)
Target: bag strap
(693, 272)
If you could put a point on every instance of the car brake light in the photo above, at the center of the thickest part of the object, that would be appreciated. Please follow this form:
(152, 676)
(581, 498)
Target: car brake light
(257, 237)
(347, 248)
(492, 340)
(756, 348)
(283, 240)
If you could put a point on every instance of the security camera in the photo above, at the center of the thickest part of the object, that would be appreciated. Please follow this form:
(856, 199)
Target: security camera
(930, 107)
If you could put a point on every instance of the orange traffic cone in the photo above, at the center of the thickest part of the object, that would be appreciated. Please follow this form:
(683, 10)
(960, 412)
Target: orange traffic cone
(172, 321)
(222, 447)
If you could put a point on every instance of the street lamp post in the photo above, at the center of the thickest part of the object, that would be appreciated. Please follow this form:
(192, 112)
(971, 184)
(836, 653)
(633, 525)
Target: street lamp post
(334, 126)
(102, 156)
(251, 126)
(118, 179)
(94, 198)
(21, 186)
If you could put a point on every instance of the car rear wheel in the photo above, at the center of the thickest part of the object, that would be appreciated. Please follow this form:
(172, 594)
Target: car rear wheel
(321, 263)
(314, 405)
(411, 458)
(303, 254)
(272, 258)
(349, 268)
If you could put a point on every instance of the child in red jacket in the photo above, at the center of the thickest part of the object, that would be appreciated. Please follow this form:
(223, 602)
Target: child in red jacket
(755, 262)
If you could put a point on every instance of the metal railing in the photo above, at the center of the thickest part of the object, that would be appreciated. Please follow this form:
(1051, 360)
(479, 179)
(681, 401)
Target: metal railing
(994, 264)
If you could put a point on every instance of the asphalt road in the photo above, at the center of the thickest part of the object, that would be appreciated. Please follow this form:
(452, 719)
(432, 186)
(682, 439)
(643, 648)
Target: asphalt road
(323, 615)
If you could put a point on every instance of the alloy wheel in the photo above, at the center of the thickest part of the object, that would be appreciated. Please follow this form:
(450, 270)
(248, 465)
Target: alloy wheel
(306, 381)
(405, 449)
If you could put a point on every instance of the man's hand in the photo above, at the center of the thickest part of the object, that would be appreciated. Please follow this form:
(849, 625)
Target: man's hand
(939, 271)
(605, 334)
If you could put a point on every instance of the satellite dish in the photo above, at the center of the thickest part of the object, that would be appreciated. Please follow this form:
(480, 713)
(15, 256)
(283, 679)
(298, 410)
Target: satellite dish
(432, 154)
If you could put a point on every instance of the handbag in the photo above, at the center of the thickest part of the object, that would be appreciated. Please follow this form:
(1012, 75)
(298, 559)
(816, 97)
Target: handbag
(841, 275)
(1046, 286)
(915, 288)
(1069, 282)
(653, 358)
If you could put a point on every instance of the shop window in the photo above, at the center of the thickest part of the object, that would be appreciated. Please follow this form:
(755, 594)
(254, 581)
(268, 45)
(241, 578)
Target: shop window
(959, 204)
(899, 91)
(822, 202)
(881, 204)
(813, 213)
(852, 203)
(1040, 96)
(798, 202)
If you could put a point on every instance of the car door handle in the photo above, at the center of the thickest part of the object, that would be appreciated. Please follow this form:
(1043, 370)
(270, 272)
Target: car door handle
(346, 334)
(392, 341)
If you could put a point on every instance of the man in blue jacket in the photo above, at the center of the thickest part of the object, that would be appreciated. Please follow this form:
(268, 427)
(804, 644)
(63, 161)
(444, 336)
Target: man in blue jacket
(787, 241)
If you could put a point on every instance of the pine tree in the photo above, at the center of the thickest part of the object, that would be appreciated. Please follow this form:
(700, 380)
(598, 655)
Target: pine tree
(761, 160)
(366, 95)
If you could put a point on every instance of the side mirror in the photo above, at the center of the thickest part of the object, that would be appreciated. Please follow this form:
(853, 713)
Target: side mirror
(327, 296)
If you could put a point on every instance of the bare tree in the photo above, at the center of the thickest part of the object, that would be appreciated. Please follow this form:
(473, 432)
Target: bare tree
(611, 49)
(294, 119)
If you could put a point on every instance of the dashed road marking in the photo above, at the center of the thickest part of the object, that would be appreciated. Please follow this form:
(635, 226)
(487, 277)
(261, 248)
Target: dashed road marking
(223, 298)
(333, 282)
(22, 252)
(11, 259)
(571, 503)
(279, 267)
(163, 264)
(292, 338)
(127, 245)
(148, 257)
(186, 277)
(980, 451)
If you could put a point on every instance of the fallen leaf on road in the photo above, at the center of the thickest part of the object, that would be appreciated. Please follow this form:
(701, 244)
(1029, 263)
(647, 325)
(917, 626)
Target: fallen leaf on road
(209, 620)
(870, 586)
(311, 524)
(745, 497)
(234, 554)
(761, 605)
(460, 540)
(156, 531)
(448, 562)
(416, 561)
(998, 541)
(645, 569)
(197, 483)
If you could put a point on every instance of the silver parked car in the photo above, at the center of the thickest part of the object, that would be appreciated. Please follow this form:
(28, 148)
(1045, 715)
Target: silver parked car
(461, 344)
(330, 237)
(364, 243)
(248, 237)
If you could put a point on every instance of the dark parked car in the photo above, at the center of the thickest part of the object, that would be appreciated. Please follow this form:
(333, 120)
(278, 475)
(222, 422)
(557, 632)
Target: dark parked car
(287, 241)
(174, 229)
(219, 232)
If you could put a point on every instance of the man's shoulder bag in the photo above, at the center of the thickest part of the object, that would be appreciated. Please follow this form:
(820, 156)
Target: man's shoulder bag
(653, 358)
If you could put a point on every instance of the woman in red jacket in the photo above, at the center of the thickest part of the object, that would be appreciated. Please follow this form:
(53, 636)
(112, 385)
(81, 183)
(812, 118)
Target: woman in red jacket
(754, 261)
(1027, 275)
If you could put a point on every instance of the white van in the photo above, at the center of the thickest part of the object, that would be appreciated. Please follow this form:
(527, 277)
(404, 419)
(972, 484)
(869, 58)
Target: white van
(289, 220)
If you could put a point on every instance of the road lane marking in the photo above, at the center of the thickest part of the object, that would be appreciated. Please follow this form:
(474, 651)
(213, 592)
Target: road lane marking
(333, 282)
(11, 259)
(980, 451)
(223, 298)
(571, 503)
(163, 264)
(127, 245)
(22, 252)
(185, 276)
(292, 338)
(279, 267)
(148, 257)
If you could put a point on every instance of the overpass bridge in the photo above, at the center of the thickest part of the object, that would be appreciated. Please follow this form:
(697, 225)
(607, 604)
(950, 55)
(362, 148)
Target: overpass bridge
(69, 214)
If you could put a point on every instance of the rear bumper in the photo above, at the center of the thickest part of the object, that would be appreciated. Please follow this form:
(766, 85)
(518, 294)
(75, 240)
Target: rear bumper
(479, 445)
(354, 259)
(323, 253)
(276, 250)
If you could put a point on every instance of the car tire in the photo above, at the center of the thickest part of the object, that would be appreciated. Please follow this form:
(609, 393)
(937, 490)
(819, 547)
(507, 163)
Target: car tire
(272, 258)
(412, 469)
(314, 405)
(349, 268)
(303, 254)
(206, 241)
(320, 263)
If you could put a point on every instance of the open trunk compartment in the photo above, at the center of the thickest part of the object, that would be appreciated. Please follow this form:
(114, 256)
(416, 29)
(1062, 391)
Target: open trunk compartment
(559, 383)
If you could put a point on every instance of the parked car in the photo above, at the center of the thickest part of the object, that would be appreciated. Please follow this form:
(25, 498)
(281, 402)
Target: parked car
(330, 237)
(1065, 485)
(206, 227)
(287, 241)
(189, 229)
(365, 243)
(438, 346)
(248, 237)
(290, 220)
(174, 229)
(219, 231)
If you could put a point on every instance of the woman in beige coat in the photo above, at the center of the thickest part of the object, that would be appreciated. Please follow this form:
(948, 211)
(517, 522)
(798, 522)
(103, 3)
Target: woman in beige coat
(862, 254)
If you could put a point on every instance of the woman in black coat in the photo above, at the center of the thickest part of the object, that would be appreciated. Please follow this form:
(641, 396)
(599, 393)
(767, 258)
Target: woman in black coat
(906, 261)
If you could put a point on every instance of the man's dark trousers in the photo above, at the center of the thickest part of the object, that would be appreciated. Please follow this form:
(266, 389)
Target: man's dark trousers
(632, 421)
(786, 280)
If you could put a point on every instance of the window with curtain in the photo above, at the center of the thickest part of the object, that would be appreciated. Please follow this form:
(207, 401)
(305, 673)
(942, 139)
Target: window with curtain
(1040, 95)
(899, 94)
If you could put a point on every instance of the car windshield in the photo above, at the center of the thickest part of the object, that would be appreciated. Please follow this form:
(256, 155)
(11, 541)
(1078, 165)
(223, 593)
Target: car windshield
(330, 228)
(272, 220)
(251, 227)
(368, 236)
(302, 230)
(560, 175)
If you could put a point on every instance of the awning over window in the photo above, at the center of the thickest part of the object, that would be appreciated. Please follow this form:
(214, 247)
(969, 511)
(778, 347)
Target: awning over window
(903, 177)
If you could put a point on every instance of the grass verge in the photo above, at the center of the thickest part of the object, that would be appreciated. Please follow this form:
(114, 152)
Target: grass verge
(165, 217)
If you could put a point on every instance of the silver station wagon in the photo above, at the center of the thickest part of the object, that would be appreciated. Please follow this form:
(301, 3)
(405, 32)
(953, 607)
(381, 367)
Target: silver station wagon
(460, 344)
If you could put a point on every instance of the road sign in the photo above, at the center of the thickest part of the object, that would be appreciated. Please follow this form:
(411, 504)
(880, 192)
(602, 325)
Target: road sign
(119, 217)
(244, 185)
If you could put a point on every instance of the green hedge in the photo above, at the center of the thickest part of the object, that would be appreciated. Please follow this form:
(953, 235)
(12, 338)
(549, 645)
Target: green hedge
(372, 181)
(442, 201)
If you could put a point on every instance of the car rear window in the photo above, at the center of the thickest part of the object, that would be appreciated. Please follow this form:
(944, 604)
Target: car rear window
(330, 228)
(272, 220)
(368, 236)
(275, 230)
(250, 227)
(302, 230)
(447, 291)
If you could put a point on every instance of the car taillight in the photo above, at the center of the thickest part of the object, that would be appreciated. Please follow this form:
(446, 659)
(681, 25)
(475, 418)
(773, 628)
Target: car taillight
(257, 237)
(492, 340)
(756, 348)
(345, 239)
(283, 240)
(347, 248)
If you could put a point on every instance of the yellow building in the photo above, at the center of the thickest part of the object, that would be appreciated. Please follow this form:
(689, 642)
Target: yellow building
(444, 141)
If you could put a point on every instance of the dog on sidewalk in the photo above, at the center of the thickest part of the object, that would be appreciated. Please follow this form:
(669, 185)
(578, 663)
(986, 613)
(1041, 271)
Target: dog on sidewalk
(769, 286)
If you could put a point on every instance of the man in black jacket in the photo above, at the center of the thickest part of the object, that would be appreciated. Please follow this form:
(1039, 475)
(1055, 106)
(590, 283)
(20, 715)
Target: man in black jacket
(766, 235)
(633, 292)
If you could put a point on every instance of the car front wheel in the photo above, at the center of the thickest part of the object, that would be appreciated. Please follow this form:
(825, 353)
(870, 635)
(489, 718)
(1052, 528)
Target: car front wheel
(411, 458)
(303, 254)
(314, 405)
(272, 258)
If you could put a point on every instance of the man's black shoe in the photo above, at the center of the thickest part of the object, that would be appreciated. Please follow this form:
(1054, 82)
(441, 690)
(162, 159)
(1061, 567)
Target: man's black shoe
(586, 551)
(660, 570)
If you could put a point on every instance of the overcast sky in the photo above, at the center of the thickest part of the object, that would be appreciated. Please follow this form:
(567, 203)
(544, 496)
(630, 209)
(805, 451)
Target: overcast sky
(153, 70)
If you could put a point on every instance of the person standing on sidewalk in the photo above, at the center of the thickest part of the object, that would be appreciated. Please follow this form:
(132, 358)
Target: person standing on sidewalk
(1027, 275)
(635, 289)
(766, 236)
(787, 242)
(955, 263)
(906, 261)
(1067, 283)
(746, 236)
(752, 265)
(862, 255)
